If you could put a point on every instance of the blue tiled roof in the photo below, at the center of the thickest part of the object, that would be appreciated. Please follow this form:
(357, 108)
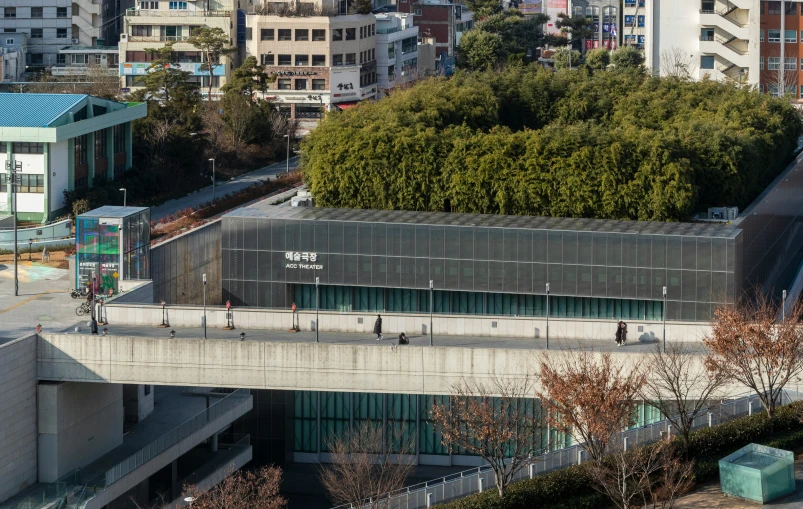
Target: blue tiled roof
(34, 110)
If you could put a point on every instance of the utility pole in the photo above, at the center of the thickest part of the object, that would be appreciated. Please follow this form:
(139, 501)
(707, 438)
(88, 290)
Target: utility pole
(782, 84)
(13, 167)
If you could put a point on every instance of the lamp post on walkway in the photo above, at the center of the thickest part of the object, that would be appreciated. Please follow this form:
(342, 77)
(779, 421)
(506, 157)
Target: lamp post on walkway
(213, 178)
(431, 304)
(663, 315)
(317, 303)
(125, 193)
(547, 316)
(287, 167)
(204, 306)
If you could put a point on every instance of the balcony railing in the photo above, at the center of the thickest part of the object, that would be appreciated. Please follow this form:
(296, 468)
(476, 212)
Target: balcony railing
(177, 13)
(157, 38)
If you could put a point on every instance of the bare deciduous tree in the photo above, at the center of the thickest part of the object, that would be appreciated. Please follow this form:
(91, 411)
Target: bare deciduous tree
(677, 63)
(242, 490)
(779, 81)
(680, 387)
(498, 421)
(588, 398)
(652, 476)
(750, 345)
(362, 469)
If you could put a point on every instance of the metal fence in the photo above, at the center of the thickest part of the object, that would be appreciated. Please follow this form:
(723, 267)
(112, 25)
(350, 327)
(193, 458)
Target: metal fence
(174, 436)
(475, 480)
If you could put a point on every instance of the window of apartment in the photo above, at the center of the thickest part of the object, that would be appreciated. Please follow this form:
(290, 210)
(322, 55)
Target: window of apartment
(78, 59)
(285, 60)
(773, 63)
(302, 34)
(10, 30)
(61, 12)
(301, 84)
(337, 60)
(373, 29)
(266, 34)
(318, 60)
(285, 34)
(150, 5)
(351, 58)
(80, 149)
(790, 35)
(629, 20)
(318, 35)
(268, 59)
(791, 8)
(172, 31)
(706, 62)
(141, 30)
(284, 84)
(409, 45)
(36, 33)
(418, 12)
(36, 12)
(773, 36)
(773, 7)
(61, 59)
(761, 63)
(61, 33)
(391, 49)
(319, 84)
(361, 57)
(391, 72)
(10, 12)
(36, 58)
(337, 34)
(81, 182)
(177, 6)
(30, 184)
(351, 34)
(118, 132)
(640, 20)
(790, 63)
(28, 148)
(361, 32)
(302, 60)
(373, 53)
(100, 143)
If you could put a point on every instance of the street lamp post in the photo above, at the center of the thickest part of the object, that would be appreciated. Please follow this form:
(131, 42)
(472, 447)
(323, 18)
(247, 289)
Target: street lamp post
(663, 315)
(125, 193)
(213, 178)
(547, 316)
(204, 306)
(30, 249)
(783, 306)
(13, 180)
(317, 303)
(431, 306)
(287, 168)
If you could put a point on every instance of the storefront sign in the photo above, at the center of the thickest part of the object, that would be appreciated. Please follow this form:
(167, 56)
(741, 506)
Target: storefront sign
(141, 68)
(295, 256)
(296, 73)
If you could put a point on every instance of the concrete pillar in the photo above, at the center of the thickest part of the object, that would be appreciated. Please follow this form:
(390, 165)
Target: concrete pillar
(175, 489)
(71, 164)
(90, 157)
(128, 144)
(109, 153)
(48, 171)
(213, 442)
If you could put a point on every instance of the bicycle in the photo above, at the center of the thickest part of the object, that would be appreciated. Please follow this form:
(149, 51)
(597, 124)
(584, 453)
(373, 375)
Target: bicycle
(83, 309)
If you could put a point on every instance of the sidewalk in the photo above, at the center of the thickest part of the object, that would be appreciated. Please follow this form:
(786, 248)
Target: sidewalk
(222, 188)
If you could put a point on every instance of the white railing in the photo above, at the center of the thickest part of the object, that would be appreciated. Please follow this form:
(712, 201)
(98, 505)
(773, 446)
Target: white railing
(475, 480)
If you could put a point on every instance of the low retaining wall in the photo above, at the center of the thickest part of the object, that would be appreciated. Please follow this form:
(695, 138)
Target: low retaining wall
(392, 323)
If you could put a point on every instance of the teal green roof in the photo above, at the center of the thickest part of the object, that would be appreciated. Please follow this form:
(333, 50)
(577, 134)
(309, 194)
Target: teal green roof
(35, 110)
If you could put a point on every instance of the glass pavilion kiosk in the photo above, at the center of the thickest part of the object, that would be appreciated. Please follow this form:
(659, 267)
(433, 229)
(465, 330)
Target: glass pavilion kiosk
(112, 243)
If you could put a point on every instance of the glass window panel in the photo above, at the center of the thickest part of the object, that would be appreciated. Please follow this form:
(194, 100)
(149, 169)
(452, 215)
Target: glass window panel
(277, 266)
(688, 311)
(436, 238)
(251, 265)
(629, 282)
(225, 264)
(466, 274)
(555, 278)
(481, 275)
(436, 272)
(703, 312)
(644, 250)
(644, 283)
(689, 259)
(422, 241)
(719, 254)
(394, 239)
(703, 253)
(718, 287)
(321, 237)
(600, 280)
(703, 286)
(225, 231)
(615, 281)
(569, 279)
(452, 244)
(394, 272)
(364, 270)
(539, 246)
(407, 240)
(658, 251)
(496, 279)
(629, 250)
(584, 280)
(731, 252)
(351, 267)
(350, 237)
(525, 277)
(539, 277)
(305, 236)
(673, 250)
(555, 247)
(673, 310)
(511, 277)
(524, 244)
(689, 285)
(451, 274)
(673, 284)
(569, 247)
(614, 250)
(600, 249)
(291, 235)
(250, 234)
(495, 244)
(585, 245)
(379, 271)
(364, 239)
(250, 294)
(421, 272)
(467, 243)
(510, 244)
(379, 243)
(481, 244)
(335, 269)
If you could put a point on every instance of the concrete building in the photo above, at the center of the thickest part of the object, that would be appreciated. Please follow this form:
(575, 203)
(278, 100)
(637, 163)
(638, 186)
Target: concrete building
(151, 24)
(781, 36)
(605, 19)
(62, 142)
(444, 21)
(316, 61)
(59, 23)
(397, 49)
(13, 50)
(83, 60)
(633, 26)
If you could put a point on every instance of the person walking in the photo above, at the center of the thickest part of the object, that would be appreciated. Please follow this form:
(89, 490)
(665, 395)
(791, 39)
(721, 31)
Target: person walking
(378, 327)
(619, 334)
(623, 326)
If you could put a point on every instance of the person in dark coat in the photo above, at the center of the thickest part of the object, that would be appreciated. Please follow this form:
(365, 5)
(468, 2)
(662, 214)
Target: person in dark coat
(623, 325)
(378, 327)
(619, 334)
(403, 340)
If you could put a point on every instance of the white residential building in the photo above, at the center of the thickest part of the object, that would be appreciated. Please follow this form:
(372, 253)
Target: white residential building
(12, 56)
(397, 50)
(79, 60)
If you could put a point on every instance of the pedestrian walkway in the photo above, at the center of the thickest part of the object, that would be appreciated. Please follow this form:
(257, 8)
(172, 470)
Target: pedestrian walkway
(222, 188)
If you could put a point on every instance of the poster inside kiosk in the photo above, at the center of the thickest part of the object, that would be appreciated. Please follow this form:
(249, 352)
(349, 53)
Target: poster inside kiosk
(300, 260)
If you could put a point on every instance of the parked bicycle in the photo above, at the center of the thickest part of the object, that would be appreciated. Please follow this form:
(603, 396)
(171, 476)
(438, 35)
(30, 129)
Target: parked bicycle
(83, 309)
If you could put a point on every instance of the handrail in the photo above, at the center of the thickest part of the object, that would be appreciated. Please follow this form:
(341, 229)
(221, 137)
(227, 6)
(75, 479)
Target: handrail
(571, 453)
(177, 13)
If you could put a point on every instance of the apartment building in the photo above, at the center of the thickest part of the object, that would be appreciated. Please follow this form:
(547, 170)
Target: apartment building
(604, 19)
(634, 24)
(445, 21)
(54, 24)
(315, 61)
(153, 23)
(81, 60)
(13, 48)
(781, 55)
(397, 50)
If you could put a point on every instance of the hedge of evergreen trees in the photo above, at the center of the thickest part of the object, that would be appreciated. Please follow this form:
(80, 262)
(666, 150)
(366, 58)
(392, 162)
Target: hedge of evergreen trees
(574, 143)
